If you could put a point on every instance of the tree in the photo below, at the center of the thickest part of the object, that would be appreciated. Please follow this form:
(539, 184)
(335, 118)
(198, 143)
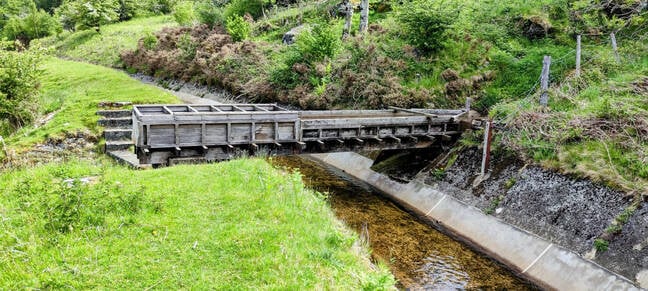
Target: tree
(87, 14)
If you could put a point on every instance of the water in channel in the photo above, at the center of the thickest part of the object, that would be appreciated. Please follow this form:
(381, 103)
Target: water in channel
(419, 256)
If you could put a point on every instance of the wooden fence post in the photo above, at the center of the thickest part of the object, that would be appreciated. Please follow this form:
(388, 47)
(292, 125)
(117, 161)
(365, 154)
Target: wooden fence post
(578, 56)
(544, 81)
(364, 16)
(488, 136)
(348, 10)
(614, 47)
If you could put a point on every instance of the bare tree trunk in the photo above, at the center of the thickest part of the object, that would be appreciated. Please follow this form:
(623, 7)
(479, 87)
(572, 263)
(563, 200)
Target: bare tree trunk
(347, 8)
(544, 81)
(614, 47)
(364, 16)
(578, 55)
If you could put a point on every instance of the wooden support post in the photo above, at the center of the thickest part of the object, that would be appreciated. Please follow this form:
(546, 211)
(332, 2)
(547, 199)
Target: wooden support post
(487, 145)
(614, 47)
(347, 8)
(544, 81)
(364, 16)
(578, 56)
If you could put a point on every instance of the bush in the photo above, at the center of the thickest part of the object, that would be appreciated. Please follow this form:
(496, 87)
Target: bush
(86, 14)
(238, 28)
(425, 23)
(241, 7)
(184, 13)
(35, 25)
(19, 85)
(150, 41)
(318, 43)
(127, 9)
(210, 13)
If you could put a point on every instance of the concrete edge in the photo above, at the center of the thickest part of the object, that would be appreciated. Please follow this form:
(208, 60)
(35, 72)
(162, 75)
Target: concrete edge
(544, 263)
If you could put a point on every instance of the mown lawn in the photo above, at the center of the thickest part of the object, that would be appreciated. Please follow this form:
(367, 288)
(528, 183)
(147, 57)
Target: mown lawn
(104, 48)
(234, 225)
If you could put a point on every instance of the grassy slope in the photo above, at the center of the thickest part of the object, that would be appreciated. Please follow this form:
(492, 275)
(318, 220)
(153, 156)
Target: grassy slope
(104, 48)
(73, 90)
(240, 224)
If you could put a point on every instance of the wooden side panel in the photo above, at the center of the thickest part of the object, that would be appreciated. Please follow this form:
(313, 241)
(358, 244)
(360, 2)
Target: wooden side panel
(189, 134)
(216, 134)
(264, 132)
(287, 131)
(162, 135)
(240, 133)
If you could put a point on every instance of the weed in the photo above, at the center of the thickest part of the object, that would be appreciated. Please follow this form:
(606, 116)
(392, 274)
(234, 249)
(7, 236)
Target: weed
(493, 204)
(601, 245)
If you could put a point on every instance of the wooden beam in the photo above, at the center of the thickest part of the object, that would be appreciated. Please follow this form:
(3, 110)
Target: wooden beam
(339, 141)
(358, 140)
(320, 142)
(413, 112)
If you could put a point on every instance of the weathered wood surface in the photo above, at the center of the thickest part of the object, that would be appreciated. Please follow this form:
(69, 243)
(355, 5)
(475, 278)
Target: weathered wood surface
(170, 131)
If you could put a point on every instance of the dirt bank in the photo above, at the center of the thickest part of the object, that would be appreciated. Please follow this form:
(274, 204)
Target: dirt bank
(568, 211)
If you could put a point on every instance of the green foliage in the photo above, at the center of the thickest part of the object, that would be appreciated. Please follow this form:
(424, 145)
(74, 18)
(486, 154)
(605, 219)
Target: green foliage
(19, 83)
(318, 43)
(36, 24)
(601, 245)
(127, 9)
(89, 14)
(210, 12)
(183, 13)
(242, 7)
(238, 28)
(187, 46)
(150, 41)
(425, 23)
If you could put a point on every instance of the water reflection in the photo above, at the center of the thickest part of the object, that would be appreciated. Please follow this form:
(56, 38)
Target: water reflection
(419, 256)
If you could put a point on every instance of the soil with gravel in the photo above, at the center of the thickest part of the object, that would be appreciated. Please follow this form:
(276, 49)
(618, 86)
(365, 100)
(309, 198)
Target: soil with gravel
(72, 146)
(568, 211)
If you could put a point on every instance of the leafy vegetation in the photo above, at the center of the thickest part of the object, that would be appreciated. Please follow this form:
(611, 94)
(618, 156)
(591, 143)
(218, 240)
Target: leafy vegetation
(239, 224)
(19, 83)
(238, 28)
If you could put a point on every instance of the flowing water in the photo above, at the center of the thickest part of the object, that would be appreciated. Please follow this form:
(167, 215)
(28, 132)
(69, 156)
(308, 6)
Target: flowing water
(419, 256)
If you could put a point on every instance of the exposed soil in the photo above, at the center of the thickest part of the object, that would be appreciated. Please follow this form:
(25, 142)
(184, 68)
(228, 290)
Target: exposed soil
(73, 146)
(568, 211)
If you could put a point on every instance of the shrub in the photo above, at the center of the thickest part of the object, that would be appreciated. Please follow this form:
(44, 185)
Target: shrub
(425, 23)
(150, 41)
(127, 9)
(238, 28)
(86, 14)
(35, 25)
(241, 7)
(318, 43)
(210, 13)
(184, 13)
(19, 85)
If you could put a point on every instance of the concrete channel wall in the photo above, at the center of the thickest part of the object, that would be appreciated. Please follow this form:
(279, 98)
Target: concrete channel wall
(548, 265)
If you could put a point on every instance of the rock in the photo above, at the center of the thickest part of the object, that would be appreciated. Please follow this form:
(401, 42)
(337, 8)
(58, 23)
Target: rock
(291, 36)
(642, 279)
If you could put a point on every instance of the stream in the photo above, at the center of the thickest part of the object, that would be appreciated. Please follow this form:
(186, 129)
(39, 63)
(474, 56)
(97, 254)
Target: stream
(419, 256)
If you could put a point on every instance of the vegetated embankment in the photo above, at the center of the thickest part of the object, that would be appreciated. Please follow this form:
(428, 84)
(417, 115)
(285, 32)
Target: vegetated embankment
(597, 222)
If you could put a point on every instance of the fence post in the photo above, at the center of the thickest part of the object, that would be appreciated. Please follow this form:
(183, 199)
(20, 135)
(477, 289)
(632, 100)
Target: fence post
(614, 47)
(544, 81)
(347, 8)
(488, 136)
(364, 16)
(578, 55)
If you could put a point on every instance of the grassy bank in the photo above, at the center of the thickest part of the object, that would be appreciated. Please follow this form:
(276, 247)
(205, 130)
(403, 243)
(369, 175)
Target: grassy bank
(85, 223)
(240, 224)
(70, 93)
(104, 48)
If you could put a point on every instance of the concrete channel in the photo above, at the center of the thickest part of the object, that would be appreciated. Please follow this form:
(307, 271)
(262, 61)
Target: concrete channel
(544, 263)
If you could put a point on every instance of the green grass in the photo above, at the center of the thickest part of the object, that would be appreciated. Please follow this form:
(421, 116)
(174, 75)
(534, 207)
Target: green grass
(233, 225)
(72, 90)
(104, 48)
